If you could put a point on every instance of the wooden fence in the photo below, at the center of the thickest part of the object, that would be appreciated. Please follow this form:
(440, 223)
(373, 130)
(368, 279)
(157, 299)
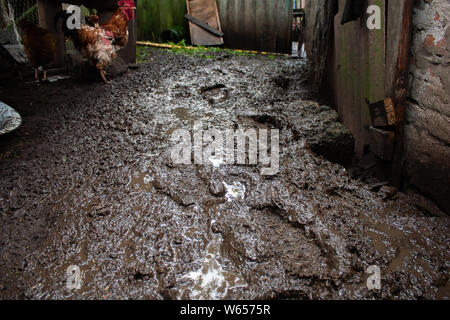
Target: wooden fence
(365, 74)
(155, 16)
(358, 72)
(257, 24)
(248, 24)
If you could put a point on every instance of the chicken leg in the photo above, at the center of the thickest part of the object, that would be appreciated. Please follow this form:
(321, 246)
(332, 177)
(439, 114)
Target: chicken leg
(102, 74)
(45, 75)
(36, 74)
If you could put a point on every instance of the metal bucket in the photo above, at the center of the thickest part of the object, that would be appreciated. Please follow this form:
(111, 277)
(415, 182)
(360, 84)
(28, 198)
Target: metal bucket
(9, 119)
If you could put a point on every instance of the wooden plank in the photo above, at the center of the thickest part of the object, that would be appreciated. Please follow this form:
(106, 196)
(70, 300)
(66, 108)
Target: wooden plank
(284, 25)
(260, 26)
(204, 10)
(47, 13)
(249, 29)
(204, 25)
(358, 73)
(382, 143)
(399, 41)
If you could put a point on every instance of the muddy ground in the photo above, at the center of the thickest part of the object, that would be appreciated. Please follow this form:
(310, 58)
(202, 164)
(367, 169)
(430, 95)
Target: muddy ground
(88, 180)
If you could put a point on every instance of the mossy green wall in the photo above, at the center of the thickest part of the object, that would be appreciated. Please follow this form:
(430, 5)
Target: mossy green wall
(154, 16)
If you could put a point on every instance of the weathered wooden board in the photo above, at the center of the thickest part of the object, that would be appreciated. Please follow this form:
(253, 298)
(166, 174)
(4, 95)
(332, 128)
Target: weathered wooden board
(204, 25)
(382, 143)
(206, 11)
(263, 25)
(47, 12)
(319, 40)
(367, 69)
(398, 43)
(358, 73)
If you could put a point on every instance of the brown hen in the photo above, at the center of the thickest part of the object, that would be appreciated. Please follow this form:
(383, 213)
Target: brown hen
(99, 44)
(39, 45)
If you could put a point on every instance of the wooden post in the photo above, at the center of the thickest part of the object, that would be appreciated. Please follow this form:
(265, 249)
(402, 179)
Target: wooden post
(47, 12)
(397, 75)
(4, 19)
(129, 52)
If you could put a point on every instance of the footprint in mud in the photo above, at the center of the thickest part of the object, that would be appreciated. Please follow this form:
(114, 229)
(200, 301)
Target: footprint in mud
(182, 91)
(260, 121)
(281, 81)
(215, 94)
(182, 113)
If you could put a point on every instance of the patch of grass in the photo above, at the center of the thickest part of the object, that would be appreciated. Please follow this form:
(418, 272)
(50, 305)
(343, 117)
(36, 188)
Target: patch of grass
(204, 52)
(144, 52)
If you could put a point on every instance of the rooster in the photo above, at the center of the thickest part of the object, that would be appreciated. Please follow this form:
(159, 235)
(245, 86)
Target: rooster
(100, 43)
(39, 45)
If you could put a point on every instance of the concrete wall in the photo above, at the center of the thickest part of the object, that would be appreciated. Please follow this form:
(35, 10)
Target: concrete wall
(427, 126)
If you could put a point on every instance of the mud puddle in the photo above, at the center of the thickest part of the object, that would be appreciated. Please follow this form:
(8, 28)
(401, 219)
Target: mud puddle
(92, 184)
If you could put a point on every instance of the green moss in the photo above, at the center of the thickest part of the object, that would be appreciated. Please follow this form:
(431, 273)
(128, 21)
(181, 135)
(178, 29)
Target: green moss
(204, 52)
(143, 53)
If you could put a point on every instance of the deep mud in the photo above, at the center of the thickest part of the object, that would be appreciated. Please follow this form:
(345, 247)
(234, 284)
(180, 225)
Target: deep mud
(88, 180)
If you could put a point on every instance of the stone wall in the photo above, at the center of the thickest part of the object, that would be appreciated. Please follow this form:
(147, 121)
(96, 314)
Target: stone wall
(427, 126)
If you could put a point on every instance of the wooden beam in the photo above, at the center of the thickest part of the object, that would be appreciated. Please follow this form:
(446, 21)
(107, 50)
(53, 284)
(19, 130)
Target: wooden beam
(204, 25)
(396, 87)
(382, 143)
(47, 12)
(206, 11)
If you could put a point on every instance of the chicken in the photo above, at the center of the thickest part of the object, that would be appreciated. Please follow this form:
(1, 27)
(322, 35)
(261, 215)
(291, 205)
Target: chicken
(99, 44)
(40, 46)
(93, 21)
